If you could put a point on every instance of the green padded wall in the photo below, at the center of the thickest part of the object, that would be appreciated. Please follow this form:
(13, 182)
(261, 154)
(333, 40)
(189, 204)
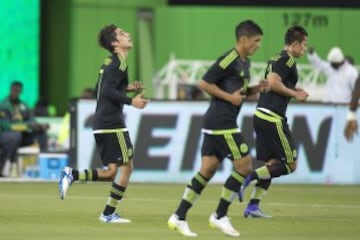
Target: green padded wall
(191, 33)
(88, 16)
(206, 32)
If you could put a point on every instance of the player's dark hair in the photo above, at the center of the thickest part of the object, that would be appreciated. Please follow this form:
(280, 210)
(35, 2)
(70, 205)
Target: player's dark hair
(106, 36)
(247, 28)
(16, 84)
(295, 34)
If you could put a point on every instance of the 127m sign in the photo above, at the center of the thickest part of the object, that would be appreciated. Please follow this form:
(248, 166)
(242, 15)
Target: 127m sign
(305, 19)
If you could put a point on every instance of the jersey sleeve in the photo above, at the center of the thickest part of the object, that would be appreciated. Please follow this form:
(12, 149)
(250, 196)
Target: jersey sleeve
(215, 73)
(283, 66)
(221, 68)
(108, 89)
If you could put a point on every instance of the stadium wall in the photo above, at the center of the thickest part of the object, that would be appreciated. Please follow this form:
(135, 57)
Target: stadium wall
(167, 140)
(206, 32)
(188, 32)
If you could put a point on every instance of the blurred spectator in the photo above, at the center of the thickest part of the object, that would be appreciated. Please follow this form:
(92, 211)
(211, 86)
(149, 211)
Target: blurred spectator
(350, 59)
(22, 120)
(340, 75)
(44, 109)
(189, 92)
(88, 93)
(63, 140)
(9, 143)
(351, 126)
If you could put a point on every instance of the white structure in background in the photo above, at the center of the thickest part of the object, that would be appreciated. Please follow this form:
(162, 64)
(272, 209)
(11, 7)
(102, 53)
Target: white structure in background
(180, 71)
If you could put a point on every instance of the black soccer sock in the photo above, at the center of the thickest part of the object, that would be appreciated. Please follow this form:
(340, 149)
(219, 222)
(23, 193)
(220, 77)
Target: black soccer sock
(229, 193)
(259, 191)
(85, 175)
(191, 194)
(75, 174)
(116, 194)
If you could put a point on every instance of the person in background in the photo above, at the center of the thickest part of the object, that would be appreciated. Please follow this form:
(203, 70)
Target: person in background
(274, 142)
(63, 138)
(351, 126)
(350, 59)
(44, 109)
(340, 75)
(88, 93)
(110, 132)
(10, 140)
(21, 116)
(227, 81)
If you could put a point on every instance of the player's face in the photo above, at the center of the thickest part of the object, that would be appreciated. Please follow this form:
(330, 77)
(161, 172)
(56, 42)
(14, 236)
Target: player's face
(300, 47)
(123, 39)
(251, 44)
(15, 92)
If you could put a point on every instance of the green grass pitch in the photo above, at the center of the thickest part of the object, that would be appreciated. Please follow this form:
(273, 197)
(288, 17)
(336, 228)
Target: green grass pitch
(33, 211)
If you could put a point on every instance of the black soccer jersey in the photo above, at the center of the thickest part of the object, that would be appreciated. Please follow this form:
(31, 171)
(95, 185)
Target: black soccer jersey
(229, 73)
(285, 66)
(111, 94)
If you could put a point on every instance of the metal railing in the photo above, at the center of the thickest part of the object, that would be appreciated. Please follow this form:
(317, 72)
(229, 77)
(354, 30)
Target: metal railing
(187, 72)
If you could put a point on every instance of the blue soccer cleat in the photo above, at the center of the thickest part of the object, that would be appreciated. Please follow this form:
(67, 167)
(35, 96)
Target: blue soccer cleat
(253, 211)
(113, 218)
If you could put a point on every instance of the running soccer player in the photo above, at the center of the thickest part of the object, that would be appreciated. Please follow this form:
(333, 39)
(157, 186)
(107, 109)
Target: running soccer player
(227, 81)
(111, 135)
(274, 142)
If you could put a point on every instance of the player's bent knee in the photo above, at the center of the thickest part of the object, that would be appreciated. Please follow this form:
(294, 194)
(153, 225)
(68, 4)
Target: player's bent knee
(110, 173)
(243, 165)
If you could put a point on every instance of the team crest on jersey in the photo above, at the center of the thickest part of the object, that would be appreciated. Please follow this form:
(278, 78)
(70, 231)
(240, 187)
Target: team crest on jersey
(244, 148)
(130, 152)
(294, 153)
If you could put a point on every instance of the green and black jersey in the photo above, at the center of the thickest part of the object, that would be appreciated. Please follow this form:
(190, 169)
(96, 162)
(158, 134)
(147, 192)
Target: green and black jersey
(285, 66)
(111, 94)
(229, 73)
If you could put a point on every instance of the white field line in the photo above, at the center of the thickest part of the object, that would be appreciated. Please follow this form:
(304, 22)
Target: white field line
(24, 196)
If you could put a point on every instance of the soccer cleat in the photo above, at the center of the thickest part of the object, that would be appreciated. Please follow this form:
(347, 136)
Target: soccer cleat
(66, 179)
(242, 188)
(181, 226)
(253, 211)
(223, 224)
(113, 218)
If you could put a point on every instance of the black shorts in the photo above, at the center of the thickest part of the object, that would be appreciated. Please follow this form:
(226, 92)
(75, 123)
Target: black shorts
(230, 145)
(114, 146)
(273, 138)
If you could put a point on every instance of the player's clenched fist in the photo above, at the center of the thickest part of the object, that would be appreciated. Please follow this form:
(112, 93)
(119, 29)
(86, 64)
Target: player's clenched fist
(139, 101)
(351, 128)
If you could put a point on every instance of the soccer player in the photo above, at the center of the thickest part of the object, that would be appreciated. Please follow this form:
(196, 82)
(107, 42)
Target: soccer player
(227, 81)
(274, 142)
(351, 126)
(111, 135)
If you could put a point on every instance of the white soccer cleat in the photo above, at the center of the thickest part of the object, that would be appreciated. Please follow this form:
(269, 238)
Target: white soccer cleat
(66, 179)
(181, 226)
(224, 225)
(113, 218)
